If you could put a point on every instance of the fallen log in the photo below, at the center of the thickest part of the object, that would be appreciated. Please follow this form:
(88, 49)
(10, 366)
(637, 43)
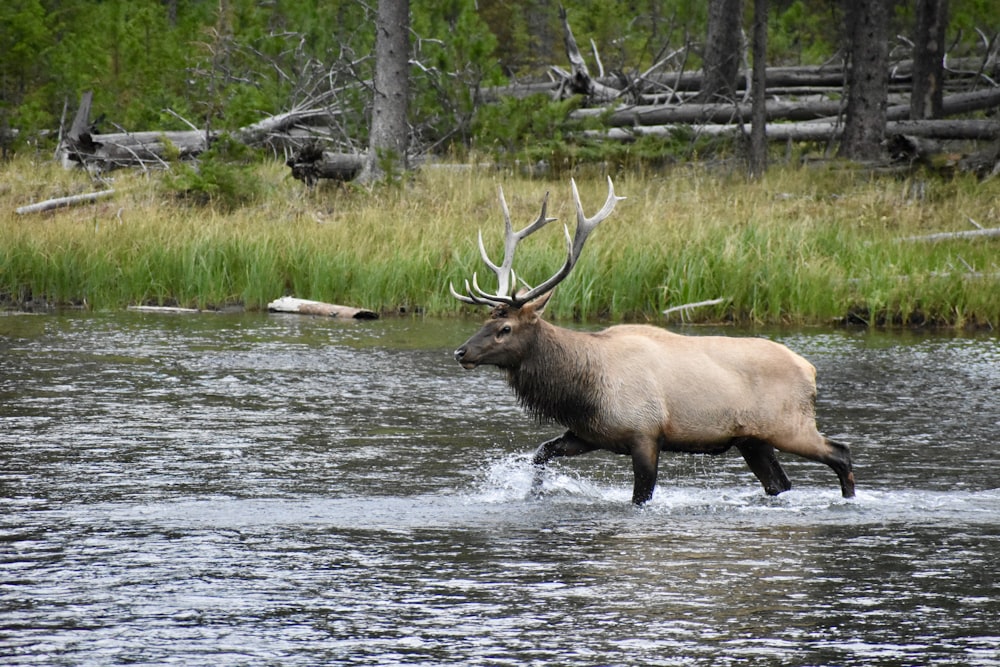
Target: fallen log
(954, 105)
(789, 78)
(944, 129)
(128, 149)
(817, 110)
(288, 304)
(709, 113)
(831, 78)
(951, 236)
(83, 147)
(811, 131)
(310, 164)
(60, 202)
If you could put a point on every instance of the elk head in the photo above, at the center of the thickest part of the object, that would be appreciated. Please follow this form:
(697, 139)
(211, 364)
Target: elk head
(508, 335)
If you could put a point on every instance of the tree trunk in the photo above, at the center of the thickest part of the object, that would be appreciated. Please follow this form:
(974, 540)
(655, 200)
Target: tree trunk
(390, 133)
(722, 50)
(579, 80)
(928, 59)
(758, 129)
(867, 79)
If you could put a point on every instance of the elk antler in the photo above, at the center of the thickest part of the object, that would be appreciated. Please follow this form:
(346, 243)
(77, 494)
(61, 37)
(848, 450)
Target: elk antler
(506, 277)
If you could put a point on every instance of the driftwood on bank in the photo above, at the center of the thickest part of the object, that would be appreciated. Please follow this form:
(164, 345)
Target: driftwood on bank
(685, 309)
(287, 304)
(60, 202)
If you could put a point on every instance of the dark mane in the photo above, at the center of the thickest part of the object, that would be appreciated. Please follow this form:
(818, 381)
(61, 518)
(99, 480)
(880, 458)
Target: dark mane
(557, 382)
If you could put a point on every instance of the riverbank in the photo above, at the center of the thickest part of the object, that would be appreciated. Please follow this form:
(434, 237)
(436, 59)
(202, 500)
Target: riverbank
(816, 245)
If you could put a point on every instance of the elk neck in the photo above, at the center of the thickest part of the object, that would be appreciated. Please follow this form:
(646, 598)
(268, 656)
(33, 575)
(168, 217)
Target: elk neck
(558, 378)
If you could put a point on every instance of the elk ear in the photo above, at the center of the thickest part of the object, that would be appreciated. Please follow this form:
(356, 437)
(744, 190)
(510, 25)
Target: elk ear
(537, 306)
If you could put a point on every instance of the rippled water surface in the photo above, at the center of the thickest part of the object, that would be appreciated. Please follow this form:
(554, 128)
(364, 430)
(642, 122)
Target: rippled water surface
(279, 490)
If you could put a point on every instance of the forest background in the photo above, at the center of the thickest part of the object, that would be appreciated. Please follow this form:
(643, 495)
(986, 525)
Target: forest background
(174, 64)
(802, 246)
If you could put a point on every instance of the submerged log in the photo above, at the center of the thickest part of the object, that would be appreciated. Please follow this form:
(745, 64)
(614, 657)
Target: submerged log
(172, 310)
(288, 304)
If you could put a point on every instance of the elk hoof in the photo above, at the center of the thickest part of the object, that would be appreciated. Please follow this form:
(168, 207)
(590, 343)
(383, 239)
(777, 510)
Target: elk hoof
(538, 483)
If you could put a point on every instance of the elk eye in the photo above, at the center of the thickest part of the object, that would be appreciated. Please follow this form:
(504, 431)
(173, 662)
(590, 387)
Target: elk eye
(505, 330)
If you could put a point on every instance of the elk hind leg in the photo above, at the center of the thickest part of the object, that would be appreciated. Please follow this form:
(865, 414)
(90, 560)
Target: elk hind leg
(645, 461)
(840, 461)
(760, 457)
(813, 446)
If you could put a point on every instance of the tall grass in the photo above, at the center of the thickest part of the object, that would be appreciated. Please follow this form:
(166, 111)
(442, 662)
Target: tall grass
(801, 246)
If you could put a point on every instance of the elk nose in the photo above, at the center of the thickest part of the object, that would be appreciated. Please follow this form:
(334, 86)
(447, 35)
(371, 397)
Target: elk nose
(459, 353)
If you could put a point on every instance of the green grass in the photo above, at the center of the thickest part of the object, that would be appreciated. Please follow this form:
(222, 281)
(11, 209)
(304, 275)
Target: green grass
(802, 246)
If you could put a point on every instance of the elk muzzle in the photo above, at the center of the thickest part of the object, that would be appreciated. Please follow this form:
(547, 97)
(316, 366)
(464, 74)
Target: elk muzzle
(460, 358)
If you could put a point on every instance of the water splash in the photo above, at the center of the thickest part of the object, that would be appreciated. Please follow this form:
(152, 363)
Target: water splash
(513, 479)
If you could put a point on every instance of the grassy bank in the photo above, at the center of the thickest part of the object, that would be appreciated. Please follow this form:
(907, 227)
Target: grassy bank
(803, 246)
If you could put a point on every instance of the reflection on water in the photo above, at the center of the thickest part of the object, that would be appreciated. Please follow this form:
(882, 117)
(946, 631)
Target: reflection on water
(241, 490)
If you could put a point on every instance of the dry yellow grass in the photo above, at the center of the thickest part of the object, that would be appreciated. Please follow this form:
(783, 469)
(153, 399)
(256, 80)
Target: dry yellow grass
(803, 245)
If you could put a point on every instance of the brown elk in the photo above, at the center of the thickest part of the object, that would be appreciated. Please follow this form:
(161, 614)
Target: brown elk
(638, 389)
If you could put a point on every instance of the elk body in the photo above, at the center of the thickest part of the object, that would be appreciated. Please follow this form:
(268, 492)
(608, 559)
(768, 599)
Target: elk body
(638, 389)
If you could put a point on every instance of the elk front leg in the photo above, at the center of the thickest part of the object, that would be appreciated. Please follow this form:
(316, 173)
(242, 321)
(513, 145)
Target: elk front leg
(567, 444)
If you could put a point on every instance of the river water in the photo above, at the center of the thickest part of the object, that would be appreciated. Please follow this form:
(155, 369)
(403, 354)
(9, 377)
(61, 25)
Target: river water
(284, 490)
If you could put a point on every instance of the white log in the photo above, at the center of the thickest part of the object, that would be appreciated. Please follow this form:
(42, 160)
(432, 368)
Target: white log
(659, 114)
(812, 131)
(288, 304)
(951, 236)
(59, 202)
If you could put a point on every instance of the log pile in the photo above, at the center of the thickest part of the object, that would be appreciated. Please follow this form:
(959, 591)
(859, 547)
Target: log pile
(809, 113)
(802, 104)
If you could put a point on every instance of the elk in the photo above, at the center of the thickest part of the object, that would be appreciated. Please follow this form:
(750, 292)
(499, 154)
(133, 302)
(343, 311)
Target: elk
(639, 389)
